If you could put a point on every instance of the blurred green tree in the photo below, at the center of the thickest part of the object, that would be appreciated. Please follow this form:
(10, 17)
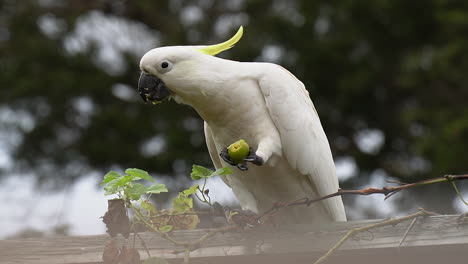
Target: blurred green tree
(387, 77)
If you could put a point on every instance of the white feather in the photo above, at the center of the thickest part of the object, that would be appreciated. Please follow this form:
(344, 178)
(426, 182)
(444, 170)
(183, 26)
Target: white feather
(303, 140)
(213, 151)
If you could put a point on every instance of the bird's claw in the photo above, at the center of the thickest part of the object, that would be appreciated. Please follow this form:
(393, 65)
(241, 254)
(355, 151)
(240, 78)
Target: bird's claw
(225, 156)
(252, 158)
(242, 166)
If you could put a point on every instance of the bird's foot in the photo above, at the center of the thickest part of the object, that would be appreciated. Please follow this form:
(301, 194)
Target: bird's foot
(252, 158)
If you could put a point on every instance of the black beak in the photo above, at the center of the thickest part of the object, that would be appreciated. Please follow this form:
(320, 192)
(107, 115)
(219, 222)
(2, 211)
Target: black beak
(152, 89)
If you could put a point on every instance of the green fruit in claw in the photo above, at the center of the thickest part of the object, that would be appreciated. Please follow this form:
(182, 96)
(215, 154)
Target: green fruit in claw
(238, 151)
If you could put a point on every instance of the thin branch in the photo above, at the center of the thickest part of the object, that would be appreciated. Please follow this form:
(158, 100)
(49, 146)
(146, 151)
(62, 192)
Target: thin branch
(352, 232)
(386, 191)
(202, 191)
(159, 214)
(204, 183)
(212, 233)
(143, 243)
(152, 227)
(187, 255)
(397, 182)
(188, 246)
(196, 244)
(406, 232)
(198, 197)
(458, 193)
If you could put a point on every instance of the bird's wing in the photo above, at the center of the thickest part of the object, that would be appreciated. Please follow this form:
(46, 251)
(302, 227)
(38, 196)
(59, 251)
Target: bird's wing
(303, 140)
(213, 151)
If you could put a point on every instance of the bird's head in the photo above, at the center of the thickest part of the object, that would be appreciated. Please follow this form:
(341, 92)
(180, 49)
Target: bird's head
(169, 71)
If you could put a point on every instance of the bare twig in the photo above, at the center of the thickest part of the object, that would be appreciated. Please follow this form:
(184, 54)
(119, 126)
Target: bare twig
(188, 246)
(196, 244)
(143, 243)
(386, 191)
(397, 182)
(151, 226)
(458, 193)
(187, 255)
(160, 214)
(407, 232)
(392, 221)
(212, 233)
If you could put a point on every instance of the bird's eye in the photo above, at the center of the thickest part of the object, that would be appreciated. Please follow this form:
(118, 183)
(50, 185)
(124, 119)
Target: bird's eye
(164, 66)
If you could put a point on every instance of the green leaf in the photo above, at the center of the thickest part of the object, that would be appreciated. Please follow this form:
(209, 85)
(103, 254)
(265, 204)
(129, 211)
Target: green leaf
(136, 191)
(199, 172)
(155, 260)
(147, 206)
(111, 175)
(189, 202)
(109, 190)
(182, 203)
(139, 174)
(222, 172)
(122, 181)
(157, 188)
(165, 228)
(191, 190)
(116, 185)
(178, 203)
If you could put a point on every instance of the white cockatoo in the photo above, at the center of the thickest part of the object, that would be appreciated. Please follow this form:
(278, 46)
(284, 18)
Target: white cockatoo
(265, 105)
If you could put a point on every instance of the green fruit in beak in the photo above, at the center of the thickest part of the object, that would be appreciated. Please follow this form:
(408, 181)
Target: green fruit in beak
(238, 151)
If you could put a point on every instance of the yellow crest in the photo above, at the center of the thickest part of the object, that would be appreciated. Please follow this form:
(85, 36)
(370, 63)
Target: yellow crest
(217, 48)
